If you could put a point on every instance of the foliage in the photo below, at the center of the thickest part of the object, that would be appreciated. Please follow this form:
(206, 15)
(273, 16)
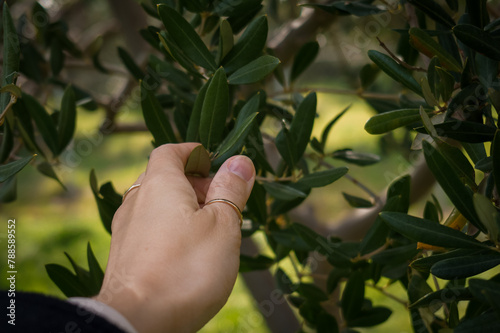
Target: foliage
(205, 82)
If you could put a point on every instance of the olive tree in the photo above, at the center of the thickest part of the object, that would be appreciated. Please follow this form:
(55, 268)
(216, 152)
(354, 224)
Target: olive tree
(210, 74)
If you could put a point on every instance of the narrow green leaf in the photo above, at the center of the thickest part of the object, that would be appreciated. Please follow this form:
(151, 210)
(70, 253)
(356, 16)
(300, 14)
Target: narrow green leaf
(488, 215)
(286, 144)
(186, 37)
(248, 264)
(311, 292)
(495, 152)
(235, 139)
(302, 124)
(447, 84)
(348, 8)
(108, 201)
(46, 169)
(446, 176)
(368, 318)
(176, 53)
(67, 118)
(66, 281)
(429, 97)
(482, 289)
(226, 40)
(329, 126)
(483, 322)
(361, 159)
(357, 202)
(478, 12)
(289, 238)
(368, 74)
(249, 46)
(428, 125)
(463, 267)
(431, 212)
(198, 163)
(254, 71)
(193, 134)
(424, 264)
(478, 39)
(429, 232)
(214, 111)
(10, 169)
(394, 70)
(11, 54)
(95, 270)
(130, 64)
(156, 120)
(475, 151)
(435, 12)
(388, 121)
(466, 131)
(322, 178)
(303, 58)
(420, 40)
(283, 192)
(283, 282)
(44, 123)
(353, 296)
(446, 295)
(57, 57)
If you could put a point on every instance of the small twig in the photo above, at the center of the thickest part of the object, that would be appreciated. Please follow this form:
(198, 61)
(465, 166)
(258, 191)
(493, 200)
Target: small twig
(391, 296)
(399, 61)
(374, 252)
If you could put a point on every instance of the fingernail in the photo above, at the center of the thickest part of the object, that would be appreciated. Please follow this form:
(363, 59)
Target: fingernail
(242, 167)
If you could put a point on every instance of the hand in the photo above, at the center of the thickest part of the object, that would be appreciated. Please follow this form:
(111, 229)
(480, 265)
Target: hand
(173, 261)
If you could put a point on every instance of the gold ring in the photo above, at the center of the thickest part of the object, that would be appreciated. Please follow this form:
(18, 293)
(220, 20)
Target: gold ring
(230, 203)
(129, 189)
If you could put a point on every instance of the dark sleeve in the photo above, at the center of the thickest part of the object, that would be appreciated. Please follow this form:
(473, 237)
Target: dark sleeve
(42, 314)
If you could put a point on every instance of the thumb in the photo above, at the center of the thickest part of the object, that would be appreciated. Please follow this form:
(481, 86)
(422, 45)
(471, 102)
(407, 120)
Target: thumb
(233, 182)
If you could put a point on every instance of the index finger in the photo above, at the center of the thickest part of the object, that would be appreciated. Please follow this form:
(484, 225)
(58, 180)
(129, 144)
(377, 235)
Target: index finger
(166, 169)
